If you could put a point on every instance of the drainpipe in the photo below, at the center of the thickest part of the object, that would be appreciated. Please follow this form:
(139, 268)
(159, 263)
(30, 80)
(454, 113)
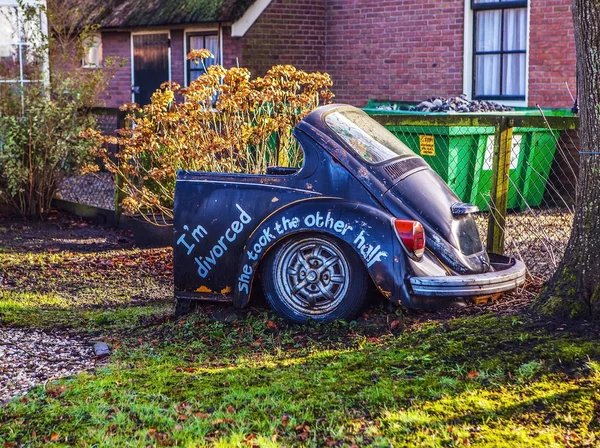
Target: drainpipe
(220, 44)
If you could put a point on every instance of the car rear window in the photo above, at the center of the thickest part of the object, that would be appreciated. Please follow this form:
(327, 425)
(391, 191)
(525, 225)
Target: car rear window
(370, 140)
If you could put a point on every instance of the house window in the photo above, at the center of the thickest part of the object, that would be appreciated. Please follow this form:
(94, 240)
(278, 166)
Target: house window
(198, 42)
(20, 46)
(499, 49)
(92, 51)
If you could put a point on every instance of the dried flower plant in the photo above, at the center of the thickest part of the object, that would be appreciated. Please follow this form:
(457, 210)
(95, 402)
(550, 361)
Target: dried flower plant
(224, 121)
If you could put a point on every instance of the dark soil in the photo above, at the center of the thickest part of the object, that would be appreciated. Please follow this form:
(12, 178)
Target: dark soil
(60, 232)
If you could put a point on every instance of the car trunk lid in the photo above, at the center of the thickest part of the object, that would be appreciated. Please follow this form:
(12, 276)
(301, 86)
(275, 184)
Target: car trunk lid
(422, 195)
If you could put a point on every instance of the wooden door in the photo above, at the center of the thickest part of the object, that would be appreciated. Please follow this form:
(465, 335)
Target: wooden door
(150, 64)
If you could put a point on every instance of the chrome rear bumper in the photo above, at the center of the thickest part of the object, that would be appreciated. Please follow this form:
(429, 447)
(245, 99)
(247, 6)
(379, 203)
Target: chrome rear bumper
(506, 277)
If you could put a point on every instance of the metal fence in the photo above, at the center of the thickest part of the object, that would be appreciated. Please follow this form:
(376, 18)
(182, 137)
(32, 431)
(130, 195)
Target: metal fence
(97, 189)
(520, 170)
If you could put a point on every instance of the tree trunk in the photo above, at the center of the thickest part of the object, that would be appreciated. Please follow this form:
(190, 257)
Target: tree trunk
(574, 290)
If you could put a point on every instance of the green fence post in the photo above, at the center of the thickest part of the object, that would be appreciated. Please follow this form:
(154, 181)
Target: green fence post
(119, 196)
(499, 191)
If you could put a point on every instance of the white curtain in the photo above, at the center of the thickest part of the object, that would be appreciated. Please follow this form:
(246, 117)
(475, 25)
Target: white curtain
(515, 38)
(488, 39)
(200, 42)
(211, 45)
(8, 25)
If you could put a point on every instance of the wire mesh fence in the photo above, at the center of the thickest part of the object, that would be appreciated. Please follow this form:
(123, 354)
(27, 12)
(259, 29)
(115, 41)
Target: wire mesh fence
(97, 189)
(521, 171)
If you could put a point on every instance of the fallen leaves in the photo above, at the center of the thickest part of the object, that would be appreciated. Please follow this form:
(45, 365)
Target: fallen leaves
(52, 438)
(223, 421)
(202, 415)
(250, 440)
(396, 324)
(63, 269)
(160, 438)
(56, 392)
(302, 432)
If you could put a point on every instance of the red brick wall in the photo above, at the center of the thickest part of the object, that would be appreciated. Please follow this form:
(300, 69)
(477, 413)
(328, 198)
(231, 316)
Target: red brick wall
(385, 50)
(394, 49)
(232, 49)
(287, 32)
(177, 62)
(118, 45)
(551, 54)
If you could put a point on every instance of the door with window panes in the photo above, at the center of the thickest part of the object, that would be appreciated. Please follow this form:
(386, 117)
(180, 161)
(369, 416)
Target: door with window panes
(209, 41)
(500, 49)
(150, 64)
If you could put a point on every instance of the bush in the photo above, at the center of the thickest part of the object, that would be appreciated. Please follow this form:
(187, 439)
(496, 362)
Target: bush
(39, 149)
(223, 122)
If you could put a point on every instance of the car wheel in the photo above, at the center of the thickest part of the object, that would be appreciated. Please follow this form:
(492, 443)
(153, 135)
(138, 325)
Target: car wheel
(314, 277)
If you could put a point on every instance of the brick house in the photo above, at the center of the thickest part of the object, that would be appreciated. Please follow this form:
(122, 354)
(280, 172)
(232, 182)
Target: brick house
(518, 52)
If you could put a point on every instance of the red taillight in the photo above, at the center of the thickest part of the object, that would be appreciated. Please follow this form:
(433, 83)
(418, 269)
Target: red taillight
(412, 235)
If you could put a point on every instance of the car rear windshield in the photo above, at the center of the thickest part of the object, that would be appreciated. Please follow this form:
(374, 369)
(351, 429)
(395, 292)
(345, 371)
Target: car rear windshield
(373, 142)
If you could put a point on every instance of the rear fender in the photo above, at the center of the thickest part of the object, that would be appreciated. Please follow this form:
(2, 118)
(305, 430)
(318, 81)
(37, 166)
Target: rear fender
(369, 231)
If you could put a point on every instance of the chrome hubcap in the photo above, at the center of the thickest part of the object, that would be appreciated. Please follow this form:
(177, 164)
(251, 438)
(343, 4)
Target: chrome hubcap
(312, 276)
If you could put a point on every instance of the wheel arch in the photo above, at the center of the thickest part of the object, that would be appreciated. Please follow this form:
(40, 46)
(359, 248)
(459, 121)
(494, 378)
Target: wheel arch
(367, 230)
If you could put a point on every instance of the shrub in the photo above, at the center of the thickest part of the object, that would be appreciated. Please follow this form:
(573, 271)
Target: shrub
(223, 122)
(39, 149)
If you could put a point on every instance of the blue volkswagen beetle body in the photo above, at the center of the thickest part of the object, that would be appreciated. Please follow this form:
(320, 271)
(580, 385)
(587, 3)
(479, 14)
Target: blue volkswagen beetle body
(362, 209)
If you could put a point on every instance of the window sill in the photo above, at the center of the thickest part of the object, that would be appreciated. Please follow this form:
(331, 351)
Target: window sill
(512, 103)
(504, 102)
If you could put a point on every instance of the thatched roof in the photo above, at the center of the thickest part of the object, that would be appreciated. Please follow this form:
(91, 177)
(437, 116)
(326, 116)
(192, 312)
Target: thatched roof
(144, 13)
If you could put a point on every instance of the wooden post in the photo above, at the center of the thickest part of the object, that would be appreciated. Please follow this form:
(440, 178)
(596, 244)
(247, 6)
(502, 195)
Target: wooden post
(499, 192)
(277, 149)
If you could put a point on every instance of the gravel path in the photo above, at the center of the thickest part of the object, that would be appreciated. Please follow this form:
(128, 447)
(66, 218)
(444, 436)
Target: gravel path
(31, 357)
(537, 237)
(96, 189)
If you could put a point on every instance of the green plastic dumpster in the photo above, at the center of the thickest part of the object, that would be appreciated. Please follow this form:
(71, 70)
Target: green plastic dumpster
(532, 155)
(462, 156)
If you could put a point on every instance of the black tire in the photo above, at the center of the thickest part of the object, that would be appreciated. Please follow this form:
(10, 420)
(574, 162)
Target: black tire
(324, 279)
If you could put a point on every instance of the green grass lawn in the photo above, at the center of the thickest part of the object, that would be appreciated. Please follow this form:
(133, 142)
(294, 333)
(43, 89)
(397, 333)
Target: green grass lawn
(484, 381)
(220, 378)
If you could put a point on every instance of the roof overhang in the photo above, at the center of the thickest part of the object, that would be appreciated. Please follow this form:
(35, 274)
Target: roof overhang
(244, 23)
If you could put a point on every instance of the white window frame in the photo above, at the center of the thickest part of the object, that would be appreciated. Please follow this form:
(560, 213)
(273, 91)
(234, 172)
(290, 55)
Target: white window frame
(195, 30)
(134, 33)
(95, 37)
(469, 42)
(45, 77)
